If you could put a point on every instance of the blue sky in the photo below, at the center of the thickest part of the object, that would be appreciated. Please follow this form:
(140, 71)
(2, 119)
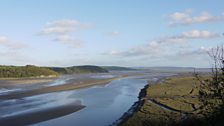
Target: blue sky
(112, 32)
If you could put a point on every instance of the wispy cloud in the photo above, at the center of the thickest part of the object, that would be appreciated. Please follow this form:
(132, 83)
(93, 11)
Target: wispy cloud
(113, 33)
(198, 51)
(150, 48)
(61, 31)
(3, 39)
(188, 35)
(12, 52)
(64, 26)
(197, 34)
(9, 44)
(165, 45)
(69, 40)
(187, 18)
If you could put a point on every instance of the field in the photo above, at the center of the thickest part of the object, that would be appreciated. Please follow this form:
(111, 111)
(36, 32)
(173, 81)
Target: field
(172, 102)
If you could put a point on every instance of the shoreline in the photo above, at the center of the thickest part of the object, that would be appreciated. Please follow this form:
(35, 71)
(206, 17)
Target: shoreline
(57, 88)
(65, 87)
(138, 104)
(50, 113)
(172, 101)
(134, 108)
(10, 82)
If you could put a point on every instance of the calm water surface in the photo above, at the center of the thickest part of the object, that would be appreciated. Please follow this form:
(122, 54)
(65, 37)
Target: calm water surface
(104, 104)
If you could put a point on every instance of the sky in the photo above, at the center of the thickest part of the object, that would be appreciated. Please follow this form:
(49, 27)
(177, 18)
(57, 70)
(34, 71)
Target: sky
(134, 33)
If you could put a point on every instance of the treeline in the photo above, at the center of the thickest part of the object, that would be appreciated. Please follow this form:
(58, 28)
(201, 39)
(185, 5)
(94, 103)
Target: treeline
(79, 69)
(25, 71)
(35, 71)
(117, 68)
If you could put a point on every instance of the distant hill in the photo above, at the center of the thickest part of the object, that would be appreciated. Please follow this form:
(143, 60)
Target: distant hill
(175, 69)
(35, 71)
(25, 71)
(117, 68)
(79, 69)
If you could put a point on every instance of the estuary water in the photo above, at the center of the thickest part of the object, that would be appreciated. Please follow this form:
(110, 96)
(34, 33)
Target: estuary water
(104, 104)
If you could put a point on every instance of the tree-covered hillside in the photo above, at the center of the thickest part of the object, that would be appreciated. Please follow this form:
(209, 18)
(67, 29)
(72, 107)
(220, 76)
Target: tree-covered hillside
(117, 68)
(25, 71)
(79, 69)
(35, 71)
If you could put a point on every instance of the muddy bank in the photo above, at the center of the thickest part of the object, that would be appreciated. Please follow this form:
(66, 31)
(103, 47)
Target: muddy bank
(134, 108)
(137, 105)
(41, 115)
(57, 88)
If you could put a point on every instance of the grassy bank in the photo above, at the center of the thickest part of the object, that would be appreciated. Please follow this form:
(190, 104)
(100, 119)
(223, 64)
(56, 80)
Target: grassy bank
(172, 102)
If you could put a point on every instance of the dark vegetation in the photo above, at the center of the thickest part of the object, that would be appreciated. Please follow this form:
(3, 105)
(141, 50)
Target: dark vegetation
(35, 71)
(117, 68)
(79, 69)
(25, 71)
(213, 89)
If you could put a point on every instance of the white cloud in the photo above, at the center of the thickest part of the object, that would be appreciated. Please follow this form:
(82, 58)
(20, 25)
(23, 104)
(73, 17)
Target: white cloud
(187, 18)
(200, 34)
(186, 36)
(167, 45)
(3, 39)
(75, 43)
(150, 48)
(57, 30)
(178, 16)
(62, 30)
(153, 44)
(65, 23)
(6, 42)
(64, 26)
(60, 27)
(199, 51)
(114, 33)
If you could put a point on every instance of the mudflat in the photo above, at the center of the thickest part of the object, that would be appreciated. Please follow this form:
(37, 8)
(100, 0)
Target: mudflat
(41, 115)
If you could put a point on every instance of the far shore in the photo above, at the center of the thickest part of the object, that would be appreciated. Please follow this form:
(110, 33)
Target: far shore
(7, 82)
(70, 85)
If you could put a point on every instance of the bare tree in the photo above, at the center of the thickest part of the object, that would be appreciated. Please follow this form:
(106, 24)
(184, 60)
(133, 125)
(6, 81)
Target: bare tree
(214, 87)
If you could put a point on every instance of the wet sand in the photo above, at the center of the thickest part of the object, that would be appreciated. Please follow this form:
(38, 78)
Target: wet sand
(76, 82)
(9, 82)
(44, 85)
(57, 88)
(41, 115)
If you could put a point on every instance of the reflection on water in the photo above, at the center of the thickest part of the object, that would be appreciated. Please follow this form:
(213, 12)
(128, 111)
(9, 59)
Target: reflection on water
(62, 80)
(34, 103)
(104, 104)
(6, 90)
(103, 76)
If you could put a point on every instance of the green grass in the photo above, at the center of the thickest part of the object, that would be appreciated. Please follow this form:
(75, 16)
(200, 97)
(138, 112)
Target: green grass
(152, 115)
(178, 93)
